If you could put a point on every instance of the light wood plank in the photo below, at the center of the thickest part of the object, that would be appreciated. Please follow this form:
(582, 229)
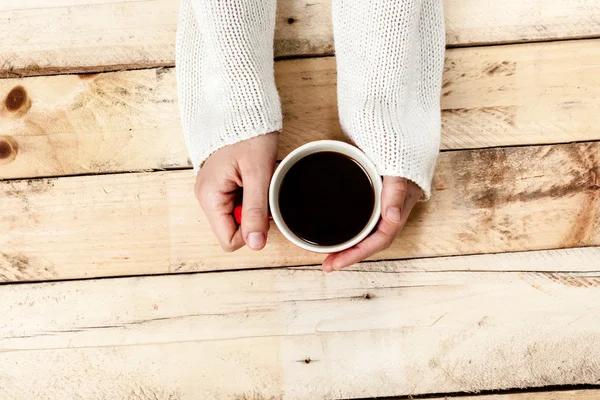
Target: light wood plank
(299, 334)
(100, 35)
(493, 96)
(43, 38)
(495, 200)
(473, 22)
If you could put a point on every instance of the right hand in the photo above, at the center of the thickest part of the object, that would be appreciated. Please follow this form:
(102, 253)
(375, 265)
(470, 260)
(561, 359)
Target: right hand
(249, 165)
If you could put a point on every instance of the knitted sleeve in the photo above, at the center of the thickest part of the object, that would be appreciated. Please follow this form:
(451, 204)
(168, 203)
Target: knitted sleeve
(226, 83)
(390, 57)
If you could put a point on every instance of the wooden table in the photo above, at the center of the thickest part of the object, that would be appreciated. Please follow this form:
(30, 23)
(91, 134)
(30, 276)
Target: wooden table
(113, 286)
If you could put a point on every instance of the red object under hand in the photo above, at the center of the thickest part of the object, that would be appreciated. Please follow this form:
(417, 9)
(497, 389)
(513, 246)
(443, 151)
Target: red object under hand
(237, 214)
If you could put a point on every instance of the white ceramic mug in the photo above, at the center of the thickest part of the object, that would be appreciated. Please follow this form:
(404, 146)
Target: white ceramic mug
(317, 147)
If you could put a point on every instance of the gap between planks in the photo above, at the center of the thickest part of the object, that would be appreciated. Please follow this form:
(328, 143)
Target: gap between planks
(92, 70)
(514, 263)
(565, 392)
(189, 168)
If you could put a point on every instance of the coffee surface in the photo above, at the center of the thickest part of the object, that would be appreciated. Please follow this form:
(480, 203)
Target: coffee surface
(326, 198)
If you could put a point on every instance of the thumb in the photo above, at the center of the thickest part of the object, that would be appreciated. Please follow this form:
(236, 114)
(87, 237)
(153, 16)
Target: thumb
(255, 214)
(392, 201)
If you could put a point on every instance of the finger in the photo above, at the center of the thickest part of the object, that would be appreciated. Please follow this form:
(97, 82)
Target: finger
(328, 263)
(392, 201)
(393, 217)
(413, 196)
(255, 214)
(375, 243)
(221, 221)
(227, 232)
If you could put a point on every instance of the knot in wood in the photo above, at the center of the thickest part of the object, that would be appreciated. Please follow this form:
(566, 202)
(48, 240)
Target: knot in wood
(16, 99)
(8, 150)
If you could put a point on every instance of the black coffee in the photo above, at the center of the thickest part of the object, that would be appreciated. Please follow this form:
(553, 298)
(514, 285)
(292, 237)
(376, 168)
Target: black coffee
(326, 198)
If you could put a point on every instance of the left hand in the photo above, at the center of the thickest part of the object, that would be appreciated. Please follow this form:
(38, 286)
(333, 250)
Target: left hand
(398, 197)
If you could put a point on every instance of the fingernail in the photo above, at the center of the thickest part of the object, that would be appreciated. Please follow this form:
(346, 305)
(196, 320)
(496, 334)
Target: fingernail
(327, 268)
(256, 240)
(393, 214)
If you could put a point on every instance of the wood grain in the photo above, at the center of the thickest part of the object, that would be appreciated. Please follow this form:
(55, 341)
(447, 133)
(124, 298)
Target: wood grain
(128, 121)
(484, 201)
(300, 334)
(101, 35)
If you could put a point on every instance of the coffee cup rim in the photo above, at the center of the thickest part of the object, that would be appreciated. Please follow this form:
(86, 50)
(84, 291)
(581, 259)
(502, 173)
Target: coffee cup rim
(317, 147)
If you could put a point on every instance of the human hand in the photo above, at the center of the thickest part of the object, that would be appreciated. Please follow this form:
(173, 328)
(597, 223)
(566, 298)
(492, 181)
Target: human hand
(398, 197)
(249, 165)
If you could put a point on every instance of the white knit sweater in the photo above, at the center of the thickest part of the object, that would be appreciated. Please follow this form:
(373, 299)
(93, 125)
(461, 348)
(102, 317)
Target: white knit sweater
(390, 56)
